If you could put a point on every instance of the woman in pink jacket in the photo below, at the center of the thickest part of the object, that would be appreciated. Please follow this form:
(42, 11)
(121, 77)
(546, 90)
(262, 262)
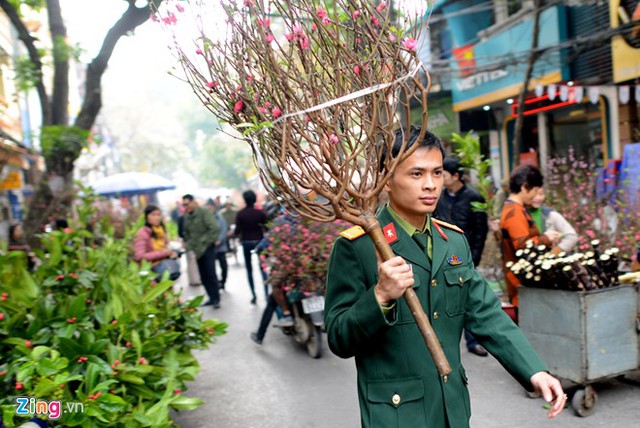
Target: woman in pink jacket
(151, 244)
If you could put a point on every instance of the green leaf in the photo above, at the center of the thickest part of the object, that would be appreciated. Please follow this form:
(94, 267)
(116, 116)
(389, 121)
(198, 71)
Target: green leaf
(47, 367)
(159, 412)
(142, 391)
(99, 346)
(195, 302)
(44, 388)
(156, 291)
(29, 289)
(129, 378)
(78, 306)
(55, 252)
(39, 351)
(186, 403)
(136, 342)
(69, 348)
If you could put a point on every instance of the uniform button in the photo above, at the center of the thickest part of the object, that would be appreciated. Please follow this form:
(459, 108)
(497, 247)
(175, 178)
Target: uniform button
(445, 378)
(434, 282)
(461, 280)
(436, 315)
(395, 399)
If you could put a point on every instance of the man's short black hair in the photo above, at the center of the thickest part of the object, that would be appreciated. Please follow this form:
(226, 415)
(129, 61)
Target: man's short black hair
(249, 198)
(428, 141)
(525, 175)
(188, 197)
(453, 166)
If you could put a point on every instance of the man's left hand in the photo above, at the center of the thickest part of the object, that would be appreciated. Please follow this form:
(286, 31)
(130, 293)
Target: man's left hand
(551, 390)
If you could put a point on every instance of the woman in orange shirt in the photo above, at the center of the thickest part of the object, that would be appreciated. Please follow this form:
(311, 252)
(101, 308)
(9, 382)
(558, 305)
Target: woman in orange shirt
(516, 224)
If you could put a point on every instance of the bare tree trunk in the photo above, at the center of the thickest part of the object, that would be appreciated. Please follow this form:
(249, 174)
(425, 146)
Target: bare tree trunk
(92, 103)
(34, 56)
(54, 195)
(533, 56)
(60, 97)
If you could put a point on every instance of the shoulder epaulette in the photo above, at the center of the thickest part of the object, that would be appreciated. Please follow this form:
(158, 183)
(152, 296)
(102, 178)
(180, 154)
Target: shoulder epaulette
(447, 225)
(353, 233)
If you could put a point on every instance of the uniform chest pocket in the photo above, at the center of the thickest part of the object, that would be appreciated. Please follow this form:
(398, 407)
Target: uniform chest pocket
(396, 403)
(457, 280)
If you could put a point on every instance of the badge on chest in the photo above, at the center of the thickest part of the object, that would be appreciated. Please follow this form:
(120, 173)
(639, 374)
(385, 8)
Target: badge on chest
(454, 260)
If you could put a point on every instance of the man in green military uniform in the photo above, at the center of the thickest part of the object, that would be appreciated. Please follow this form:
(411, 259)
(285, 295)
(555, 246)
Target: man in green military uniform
(366, 316)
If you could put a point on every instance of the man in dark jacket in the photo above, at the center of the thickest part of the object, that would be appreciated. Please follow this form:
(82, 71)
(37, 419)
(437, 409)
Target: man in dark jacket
(250, 226)
(454, 206)
(201, 233)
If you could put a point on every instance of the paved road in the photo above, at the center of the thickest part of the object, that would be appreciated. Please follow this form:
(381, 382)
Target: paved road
(278, 385)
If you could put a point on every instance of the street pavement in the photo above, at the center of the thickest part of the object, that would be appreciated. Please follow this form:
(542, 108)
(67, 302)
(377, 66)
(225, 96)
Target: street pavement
(278, 385)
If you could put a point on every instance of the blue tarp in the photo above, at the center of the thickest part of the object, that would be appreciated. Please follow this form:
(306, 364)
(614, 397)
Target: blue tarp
(629, 182)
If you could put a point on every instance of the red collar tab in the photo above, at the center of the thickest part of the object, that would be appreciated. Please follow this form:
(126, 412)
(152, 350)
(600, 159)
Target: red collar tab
(440, 231)
(390, 234)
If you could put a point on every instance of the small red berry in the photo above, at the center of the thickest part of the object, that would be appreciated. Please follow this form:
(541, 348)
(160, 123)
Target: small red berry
(19, 385)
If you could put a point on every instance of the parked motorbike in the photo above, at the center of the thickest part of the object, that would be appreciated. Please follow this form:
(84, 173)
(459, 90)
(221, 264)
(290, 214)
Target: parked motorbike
(308, 321)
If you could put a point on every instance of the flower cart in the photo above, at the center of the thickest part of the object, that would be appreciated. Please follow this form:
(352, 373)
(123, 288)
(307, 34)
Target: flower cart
(584, 335)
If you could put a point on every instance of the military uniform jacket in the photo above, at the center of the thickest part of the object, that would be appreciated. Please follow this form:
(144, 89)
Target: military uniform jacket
(398, 383)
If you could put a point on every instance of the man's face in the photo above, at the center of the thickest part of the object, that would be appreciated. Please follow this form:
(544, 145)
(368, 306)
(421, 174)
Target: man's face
(188, 205)
(450, 180)
(416, 184)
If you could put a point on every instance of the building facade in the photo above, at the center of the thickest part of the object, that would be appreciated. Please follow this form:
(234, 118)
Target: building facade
(584, 86)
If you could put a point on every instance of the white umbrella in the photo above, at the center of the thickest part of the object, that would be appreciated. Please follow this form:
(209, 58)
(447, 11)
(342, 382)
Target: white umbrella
(131, 183)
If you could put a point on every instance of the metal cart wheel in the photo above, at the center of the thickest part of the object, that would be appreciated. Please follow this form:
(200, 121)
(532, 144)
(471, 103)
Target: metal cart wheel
(584, 401)
(314, 344)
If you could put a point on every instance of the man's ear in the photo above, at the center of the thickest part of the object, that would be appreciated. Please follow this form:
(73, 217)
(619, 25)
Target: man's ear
(386, 185)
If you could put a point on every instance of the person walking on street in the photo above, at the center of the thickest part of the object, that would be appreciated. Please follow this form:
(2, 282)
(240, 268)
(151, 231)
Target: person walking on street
(229, 214)
(201, 231)
(222, 248)
(455, 207)
(193, 274)
(367, 318)
(516, 225)
(250, 226)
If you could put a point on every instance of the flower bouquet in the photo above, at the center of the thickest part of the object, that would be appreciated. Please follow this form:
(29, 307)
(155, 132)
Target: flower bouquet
(298, 255)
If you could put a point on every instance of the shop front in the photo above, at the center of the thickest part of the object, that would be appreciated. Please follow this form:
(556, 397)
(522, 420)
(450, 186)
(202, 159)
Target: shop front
(492, 76)
(561, 128)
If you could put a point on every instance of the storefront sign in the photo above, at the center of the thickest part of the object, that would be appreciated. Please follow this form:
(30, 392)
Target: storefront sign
(625, 48)
(13, 181)
(476, 80)
(465, 60)
(502, 60)
(442, 119)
